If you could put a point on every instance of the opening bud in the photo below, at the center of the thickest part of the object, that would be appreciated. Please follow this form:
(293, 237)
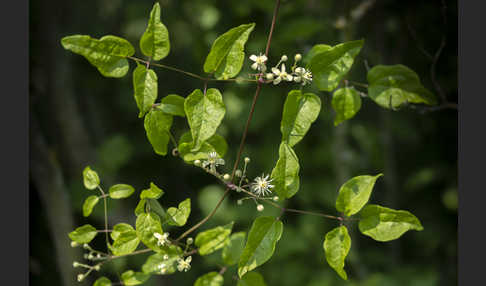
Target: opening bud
(260, 207)
(298, 57)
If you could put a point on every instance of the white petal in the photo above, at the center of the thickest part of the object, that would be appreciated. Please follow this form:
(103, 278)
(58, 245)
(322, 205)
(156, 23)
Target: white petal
(264, 58)
(254, 66)
(277, 80)
(289, 77)
(253, 58)
(283, 67)
(276, 71)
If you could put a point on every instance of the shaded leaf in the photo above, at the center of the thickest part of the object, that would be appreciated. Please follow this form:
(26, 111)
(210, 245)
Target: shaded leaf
(131, 277)
(336, 247)
(227, 55)
(233, 248)
(173, 104)
(316, 49)
(154, 42)
(395, 85)
(140, 208)
(121, 191)
(210, 279)
(286, 172)
(83, 234)
(119, 229)
(346, 102)
(215, 143)
(157, 127)
(204, 114)
(107, 54)
(329, 66)
(155, 206)
(145, 88)
(213, 239)
(89, 204)
(300, 111)
(355, 193)
(252, 279)
(385, 224)
(262, 238)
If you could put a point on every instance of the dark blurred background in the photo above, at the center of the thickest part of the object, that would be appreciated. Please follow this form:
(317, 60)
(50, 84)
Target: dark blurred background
(79, 118)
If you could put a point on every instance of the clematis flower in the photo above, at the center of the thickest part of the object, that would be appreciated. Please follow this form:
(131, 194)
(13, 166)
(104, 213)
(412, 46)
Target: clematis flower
(281, 74)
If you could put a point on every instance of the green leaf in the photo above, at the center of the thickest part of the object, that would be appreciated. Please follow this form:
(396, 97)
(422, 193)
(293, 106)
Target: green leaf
(90, 179)
(107, 54)
(251, 279)
(385, 224)
(213, 239)
(153, 192)
(155, 40)
(263, 236)
(102, 281)
(233, 248)
(83, 234)
(121, 191)
(131, 277)
(330, 66)
(227, 55)
(155, 206)
(147, 224)
(346, 102)
(300, 111)
(119, 229)
(317, 49)
(286, 172)
(173, 104)
(336, 246)
(145, 88)
(204, 114)
(210, 279)
(157, 127)
(395, 85)
(355, 193)
(126, 242)
(172, 253)
(178, 216)
(140, 208)
(89, 204)
(214, 144)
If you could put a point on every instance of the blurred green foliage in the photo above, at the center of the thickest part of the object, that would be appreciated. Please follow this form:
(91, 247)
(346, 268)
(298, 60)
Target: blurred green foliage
(416, 152)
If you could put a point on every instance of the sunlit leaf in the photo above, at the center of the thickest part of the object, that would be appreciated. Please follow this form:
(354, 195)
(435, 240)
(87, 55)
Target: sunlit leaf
(178, 216)
(329, 66)
(213, 239)
(102, 281)
(107, 54)
(157, 127)
(215, 143)
(286, 172)
(145, 88)
(90, 179)
(131, 278)
(264, 234)
(251, 279)
(346, 102)
(336, 246)
(227, 55)
(153, 192)
(385, 224)
(210, 279)
(89, 204)
(164, 262)
(146, 225)
(121, 191)
(355, 193)
(155, 40)
(83, 234)
(233, 248)
(173, 104)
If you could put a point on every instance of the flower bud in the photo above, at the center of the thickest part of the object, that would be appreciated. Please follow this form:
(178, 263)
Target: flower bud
(239, 202)
(74, 244)
(85, 246)
(260, 207)
(226, 177)
(247, 160)
(238, 173)
(275, 198)
(298, 57)
(189, 241)
(269, 76)
(197, 162)
(284, 58)
(80, 277)
(75, 264)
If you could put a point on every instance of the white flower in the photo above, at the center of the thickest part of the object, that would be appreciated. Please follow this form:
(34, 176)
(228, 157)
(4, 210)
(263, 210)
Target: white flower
(261, 185)
(184, 265)
(259, 62)
(162, 268)
(281, 74)
(302, 75)
(162, 239)
(213, 161)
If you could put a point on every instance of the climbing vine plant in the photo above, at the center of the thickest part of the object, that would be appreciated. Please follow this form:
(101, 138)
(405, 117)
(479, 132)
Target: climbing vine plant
(327, 66)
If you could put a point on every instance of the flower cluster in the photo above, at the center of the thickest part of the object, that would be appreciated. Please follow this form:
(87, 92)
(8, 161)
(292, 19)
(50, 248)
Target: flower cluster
(162, 239)
(297, 74)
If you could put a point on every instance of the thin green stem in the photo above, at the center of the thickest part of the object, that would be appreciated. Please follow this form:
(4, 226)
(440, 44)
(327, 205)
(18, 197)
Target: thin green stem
(190, 74)
(106, 215)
